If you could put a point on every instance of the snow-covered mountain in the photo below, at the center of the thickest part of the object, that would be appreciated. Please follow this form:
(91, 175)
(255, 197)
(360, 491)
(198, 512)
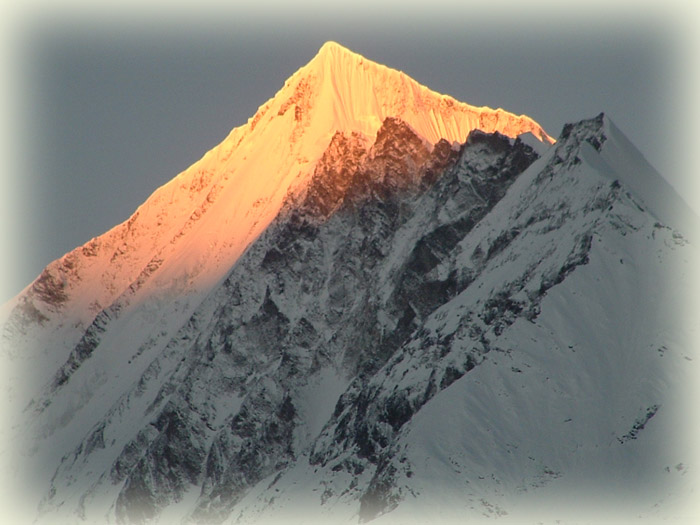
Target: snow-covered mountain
(184, 239)
(370, 302)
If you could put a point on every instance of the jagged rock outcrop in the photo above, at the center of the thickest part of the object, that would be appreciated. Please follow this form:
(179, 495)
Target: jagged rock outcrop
(374, 317)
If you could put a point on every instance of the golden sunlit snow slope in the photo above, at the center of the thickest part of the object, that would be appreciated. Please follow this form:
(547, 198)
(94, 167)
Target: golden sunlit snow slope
(190, 231)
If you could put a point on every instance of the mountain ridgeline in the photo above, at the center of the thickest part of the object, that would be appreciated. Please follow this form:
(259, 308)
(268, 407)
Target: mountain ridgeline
(395, 327)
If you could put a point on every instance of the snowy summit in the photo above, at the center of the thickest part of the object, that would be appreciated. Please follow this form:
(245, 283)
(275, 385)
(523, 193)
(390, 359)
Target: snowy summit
(369, 303)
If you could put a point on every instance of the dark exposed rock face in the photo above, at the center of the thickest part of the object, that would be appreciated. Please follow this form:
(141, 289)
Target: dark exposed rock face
(327, 255)
(173, 460)
(387, 237)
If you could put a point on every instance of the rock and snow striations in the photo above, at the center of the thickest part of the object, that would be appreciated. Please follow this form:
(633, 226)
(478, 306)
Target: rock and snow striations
(185, 237)
(369, 302)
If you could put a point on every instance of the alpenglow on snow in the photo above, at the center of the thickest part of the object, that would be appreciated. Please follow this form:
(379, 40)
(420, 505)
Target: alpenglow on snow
(370, 303)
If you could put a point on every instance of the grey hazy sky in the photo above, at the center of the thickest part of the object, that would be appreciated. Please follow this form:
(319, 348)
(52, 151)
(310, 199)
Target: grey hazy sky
(112, 108)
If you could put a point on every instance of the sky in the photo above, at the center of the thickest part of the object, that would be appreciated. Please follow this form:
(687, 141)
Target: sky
(106, 104)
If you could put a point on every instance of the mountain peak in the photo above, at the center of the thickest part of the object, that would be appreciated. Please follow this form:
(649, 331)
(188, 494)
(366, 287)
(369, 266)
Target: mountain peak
(347, 92)
(332, 48)
(339, 60)
(190, 231)
(207, 207)
(308, 305)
